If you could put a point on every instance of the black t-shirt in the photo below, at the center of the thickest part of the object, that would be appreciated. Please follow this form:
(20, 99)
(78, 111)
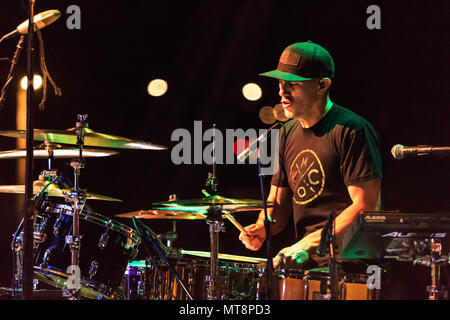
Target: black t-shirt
(318, 164)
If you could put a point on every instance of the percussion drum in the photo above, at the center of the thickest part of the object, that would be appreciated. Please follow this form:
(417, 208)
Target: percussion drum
(152, 279)
(106, 247)
(313, 285)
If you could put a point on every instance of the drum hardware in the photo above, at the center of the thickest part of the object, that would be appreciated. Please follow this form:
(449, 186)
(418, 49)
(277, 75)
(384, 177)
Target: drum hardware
(103, 241)
(77, 199)
(327, 244)
(170, 236)
(147, 234)
(434, 260)
(39, 236)
(216, 225)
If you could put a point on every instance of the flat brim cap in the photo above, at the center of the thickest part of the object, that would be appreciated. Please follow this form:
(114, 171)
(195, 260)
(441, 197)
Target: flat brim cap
(303, 61)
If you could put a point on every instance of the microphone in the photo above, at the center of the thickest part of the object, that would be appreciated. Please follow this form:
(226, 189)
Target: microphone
(399, 151)
(323, 247)
(244, 154)
(41, 20)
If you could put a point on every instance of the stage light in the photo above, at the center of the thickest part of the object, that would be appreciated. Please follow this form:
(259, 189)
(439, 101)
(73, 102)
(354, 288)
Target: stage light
(251, 91)
(157, 87)
(266, 115)
(37, 82)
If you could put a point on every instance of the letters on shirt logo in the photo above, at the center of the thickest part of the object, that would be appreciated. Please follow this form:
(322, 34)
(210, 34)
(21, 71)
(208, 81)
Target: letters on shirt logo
(306, 177)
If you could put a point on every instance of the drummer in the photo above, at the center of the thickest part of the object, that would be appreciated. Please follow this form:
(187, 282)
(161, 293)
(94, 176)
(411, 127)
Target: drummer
(329, 159)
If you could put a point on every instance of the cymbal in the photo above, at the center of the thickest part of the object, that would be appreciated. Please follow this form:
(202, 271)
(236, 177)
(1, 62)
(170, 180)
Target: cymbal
(217, 200)
(52, 191)
(91, 138)
(59, 153)
(161, 214)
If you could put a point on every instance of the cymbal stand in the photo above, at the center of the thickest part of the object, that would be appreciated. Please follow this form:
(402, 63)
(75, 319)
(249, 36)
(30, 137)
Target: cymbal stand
(170, 236)
(434, 289)
(434, 259)
(17, 245)
(77, 198)
(216, 225)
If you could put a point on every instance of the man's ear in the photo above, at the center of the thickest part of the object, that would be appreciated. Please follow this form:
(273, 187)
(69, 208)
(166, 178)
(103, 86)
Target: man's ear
(324, 84)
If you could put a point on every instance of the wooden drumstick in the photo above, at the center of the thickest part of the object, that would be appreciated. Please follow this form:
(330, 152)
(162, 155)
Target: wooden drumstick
(236, 224)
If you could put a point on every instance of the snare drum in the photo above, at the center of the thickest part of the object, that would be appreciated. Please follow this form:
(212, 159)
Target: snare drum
(153, 279)
(293, 284)
(350, 286)
(106, 247)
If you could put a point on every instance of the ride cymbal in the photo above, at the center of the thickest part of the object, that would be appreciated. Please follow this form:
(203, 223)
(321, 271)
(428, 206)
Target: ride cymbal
(91, 138)
(60, 153)
(213, 200)
(161, 214)
(52, 190)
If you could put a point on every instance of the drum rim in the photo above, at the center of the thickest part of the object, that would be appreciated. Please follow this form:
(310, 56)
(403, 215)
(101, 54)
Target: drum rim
(96, 218)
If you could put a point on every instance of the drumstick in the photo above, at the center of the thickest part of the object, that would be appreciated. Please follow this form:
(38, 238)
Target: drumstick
(236, 224)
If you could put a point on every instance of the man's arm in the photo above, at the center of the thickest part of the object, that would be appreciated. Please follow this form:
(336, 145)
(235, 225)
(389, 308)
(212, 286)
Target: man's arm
(365, 196)
(282, 208)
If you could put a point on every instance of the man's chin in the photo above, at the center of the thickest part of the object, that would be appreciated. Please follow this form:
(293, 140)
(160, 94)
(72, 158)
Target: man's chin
(288, 113)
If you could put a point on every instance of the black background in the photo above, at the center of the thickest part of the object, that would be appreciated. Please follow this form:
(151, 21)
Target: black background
(396, 77)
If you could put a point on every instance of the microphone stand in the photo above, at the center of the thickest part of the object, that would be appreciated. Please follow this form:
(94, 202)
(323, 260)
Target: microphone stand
(28, 208)
(14, 61)
(334, 281)
(268, 228)
(159, 251)
(267, 222)
(328, 239)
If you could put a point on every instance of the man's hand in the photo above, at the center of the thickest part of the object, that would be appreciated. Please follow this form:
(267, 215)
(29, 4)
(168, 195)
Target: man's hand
(294, 256)
(254, 237)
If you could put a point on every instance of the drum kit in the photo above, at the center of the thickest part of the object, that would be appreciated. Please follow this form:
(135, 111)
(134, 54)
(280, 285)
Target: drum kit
(82, 254)
(88, 255)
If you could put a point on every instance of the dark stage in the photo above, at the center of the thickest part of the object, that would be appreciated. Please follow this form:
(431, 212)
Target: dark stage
(395, 77)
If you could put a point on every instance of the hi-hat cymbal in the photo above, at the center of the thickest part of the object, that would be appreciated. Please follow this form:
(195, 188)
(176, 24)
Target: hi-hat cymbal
(217, 200)
(52, 191)
(60, 153)
(161, 214)
(91, 138)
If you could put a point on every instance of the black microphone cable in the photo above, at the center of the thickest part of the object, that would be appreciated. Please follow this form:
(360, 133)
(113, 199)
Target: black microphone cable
(151, 237)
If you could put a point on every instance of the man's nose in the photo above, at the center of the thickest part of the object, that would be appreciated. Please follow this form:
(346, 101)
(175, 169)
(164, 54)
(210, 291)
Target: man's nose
(284, 90)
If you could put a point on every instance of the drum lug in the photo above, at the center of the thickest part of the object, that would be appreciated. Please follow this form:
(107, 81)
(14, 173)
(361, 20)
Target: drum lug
(103, 240)
(57, 225)
(39, 237)
(93, 269)
(47, 256)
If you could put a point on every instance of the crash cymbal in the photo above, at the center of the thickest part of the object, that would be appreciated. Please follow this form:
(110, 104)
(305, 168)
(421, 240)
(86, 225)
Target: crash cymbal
(60, 153)
(52, 190)
(161, 214)
(91, 138)
(217, 200)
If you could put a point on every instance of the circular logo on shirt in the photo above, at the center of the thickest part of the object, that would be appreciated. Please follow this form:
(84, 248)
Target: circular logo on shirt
(306, 177)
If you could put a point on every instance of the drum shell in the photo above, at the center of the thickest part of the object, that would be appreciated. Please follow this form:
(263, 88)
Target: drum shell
(306, 285)
(106, 246)
(235, 280)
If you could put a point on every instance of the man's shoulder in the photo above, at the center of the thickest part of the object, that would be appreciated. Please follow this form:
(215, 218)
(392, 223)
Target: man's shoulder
(290, 125)
(347, 118)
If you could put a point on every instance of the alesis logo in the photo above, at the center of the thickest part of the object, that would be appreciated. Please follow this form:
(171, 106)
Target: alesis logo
(414, 235)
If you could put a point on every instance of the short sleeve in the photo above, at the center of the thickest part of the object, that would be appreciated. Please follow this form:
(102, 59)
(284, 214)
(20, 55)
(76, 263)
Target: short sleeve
(360, 156)
(279, 178)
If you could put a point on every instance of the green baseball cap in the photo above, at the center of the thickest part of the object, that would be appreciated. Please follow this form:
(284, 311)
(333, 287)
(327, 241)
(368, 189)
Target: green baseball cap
(303, 61)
